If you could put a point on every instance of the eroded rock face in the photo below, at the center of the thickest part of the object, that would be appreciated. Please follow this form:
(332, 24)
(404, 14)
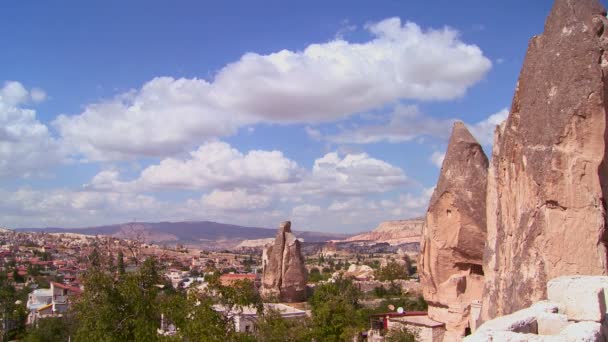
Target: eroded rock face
(454, 234)
(284, 274)
(548, 180)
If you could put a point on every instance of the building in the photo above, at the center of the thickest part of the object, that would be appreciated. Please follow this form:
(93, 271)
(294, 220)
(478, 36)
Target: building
(245, 319)
(419, 322)
(51, 302)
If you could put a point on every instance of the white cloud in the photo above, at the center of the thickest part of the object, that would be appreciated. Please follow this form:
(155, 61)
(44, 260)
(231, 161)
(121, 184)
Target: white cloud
(322, 83)
(213, 165)
(238, 199)
(483, 131)
(437, 158)
(36, 208)
(218, 166)
(26, 145)
(313, 133)
(353, 174)
(405, 124)
(37, 95)
(305, 210)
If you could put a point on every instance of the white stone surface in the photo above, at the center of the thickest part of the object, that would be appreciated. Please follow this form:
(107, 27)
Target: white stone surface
(581, 298)
(583, 332)
(522, 321)
(551, 323)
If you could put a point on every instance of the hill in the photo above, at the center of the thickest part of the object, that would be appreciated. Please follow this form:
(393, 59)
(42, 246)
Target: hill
(393, 232)
(205, 234)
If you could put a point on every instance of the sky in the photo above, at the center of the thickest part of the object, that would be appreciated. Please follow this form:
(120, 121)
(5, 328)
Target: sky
(332, 114)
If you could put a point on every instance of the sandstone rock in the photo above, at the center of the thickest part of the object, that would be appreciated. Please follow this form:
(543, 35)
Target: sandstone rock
(284, 275)
(583, 332)
(393, 232)
(548, 180)
(551, 323)
(454, 233)
(581, 298)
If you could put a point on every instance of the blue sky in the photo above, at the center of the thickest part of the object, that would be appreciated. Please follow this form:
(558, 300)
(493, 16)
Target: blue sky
(331, 114)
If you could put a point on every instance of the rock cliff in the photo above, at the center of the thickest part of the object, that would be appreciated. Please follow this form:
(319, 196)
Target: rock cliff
(548, 180)
(393, 232)
(284, 274)
(454, 234)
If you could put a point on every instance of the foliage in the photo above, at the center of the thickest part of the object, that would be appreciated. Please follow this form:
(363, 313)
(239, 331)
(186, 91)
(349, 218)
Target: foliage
(52, 329)
(392, 271)
(337, 314)
(402, 335)
(119, 310)
(406, 302)
(271, 327)
(12, 315)
(120, 262)
(392, 291)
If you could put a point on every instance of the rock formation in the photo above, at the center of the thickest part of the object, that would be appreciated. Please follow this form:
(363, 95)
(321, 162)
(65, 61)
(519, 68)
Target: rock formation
(454, 234)
(393, 232)
(575, 311)
(548, 182)
(284, 274)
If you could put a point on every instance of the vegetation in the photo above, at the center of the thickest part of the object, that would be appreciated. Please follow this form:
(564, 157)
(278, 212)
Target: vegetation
(402, 335)
(119, 306)
(392, 271)
(12, 311)
(337, 314)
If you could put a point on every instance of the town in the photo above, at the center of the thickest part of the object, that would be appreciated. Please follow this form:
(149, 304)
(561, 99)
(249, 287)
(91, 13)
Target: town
(45, 276)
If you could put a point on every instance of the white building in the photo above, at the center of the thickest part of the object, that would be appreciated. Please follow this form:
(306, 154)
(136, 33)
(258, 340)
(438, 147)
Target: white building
(49, 302)
(245, 319)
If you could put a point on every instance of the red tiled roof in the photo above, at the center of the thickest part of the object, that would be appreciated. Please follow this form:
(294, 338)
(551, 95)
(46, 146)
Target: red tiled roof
(66, 287)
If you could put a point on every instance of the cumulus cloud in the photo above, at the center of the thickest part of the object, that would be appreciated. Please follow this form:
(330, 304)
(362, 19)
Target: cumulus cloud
(405, 124)
(305, 210)
(483, 131)
(238, 199)
(437, 158)
(352, 174)
(213, 165)
(35, 208)
(322, 83)
(26, 145)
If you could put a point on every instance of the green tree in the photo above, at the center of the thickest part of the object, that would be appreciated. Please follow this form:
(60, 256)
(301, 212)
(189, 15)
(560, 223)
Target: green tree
(392, 271)
(271, 327)
(52, 329)
(336, 312)
(12, 314)
(401, 335)
(123, 310)
(120, 263)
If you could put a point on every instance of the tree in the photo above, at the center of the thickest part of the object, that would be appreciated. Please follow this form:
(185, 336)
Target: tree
(52, 329)
(12, 314)
(336, 311)
(120, 263)
(401, 335)
(271, 327)
(123, 310)
(392, 271)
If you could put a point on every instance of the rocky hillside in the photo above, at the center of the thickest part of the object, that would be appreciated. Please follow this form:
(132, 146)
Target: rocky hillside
(393, 232)
(204, 234)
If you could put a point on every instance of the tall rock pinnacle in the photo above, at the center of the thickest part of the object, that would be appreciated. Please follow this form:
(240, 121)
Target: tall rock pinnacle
(454, 234)
(284, 274)
(548, 181)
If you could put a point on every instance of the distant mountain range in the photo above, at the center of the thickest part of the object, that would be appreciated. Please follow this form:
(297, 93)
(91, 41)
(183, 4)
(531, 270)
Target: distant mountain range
(205, 234)
(393, 232)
